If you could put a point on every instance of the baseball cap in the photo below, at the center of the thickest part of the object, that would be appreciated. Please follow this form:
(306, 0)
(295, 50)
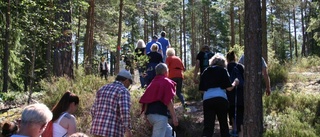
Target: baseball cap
(154, 37)
(126, 74)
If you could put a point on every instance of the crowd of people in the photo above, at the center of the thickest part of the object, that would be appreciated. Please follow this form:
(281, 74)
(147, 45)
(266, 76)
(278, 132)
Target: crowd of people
(220, 80)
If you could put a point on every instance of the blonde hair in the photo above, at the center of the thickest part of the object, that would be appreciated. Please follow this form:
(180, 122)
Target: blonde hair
(140, 44)
(218, 60)
(170, 52)
(154, 47)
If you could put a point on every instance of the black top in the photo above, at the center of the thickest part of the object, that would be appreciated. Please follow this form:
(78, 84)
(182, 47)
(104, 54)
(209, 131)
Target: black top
(213, 77)
(204, 57)
(238, 90)
(155, 57)
(157, 108)
(139, 51)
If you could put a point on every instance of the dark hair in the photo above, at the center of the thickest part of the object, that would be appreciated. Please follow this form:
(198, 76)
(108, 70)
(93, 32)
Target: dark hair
(231, 56)
(154, 37)
(205, 48)
(9, 128)
(163, 33)
(63, 104)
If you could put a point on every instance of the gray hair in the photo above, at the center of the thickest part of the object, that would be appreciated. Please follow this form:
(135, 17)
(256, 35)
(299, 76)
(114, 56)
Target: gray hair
(36, 114)
(161, 69)
(171, 52)
(140, 44)
(218, 60)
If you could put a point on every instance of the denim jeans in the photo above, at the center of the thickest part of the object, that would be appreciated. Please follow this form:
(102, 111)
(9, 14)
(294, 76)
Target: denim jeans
(161, 127)
(142, 81)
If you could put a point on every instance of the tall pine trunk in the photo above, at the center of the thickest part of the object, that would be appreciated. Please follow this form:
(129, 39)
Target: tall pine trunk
(303, 51)
(193, 34)
(119, 37)
(295, 33)
(232, 24)
(63, 64)
(264, 30)
(6, 51)
(253, 115)
(184, 35)
(88, 43)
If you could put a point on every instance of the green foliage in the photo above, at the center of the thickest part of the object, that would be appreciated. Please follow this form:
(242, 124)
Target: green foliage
(285, 113)
(189, 88)
(307, 63)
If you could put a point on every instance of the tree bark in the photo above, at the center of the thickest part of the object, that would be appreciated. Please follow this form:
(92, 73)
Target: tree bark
(232, 42)
(184, 34)
(63, 64)
(193, 34)
(264, 31)
(253, 115)
(88, 43)
(290, 39)
(295, 33)
(78, 40)
(303, 51)
(6, 50)
(119, 38)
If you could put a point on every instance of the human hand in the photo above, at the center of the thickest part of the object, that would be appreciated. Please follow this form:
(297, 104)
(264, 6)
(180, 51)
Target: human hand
(268, 91)
(128, 133)
(236, 82)
(175, 121)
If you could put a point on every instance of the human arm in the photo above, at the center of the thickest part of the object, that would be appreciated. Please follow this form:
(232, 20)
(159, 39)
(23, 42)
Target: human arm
(234, 84)
(124, 106)
(72, 128)
(173, 114)
(266, 80)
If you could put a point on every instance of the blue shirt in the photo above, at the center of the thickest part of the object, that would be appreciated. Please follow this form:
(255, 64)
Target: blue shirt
(165, 43)
(214, 92)
(148, 46)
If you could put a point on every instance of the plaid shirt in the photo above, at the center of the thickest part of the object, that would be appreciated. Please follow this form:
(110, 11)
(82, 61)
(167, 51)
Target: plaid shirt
(111, 111)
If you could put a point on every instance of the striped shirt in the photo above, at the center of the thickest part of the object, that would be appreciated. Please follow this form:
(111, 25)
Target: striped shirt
(111, 111)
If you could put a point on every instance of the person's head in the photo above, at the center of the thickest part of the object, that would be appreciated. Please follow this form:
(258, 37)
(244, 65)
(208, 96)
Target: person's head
(125, 77)
(34, 120)
(205, 48)
(171, 52)
(154, 47)
(68, 103)
(163, 34)
(155, 38)
(218, 60)
(140, 44)
(102, 59)
(9, 128)
(231, 56)
(161, 69)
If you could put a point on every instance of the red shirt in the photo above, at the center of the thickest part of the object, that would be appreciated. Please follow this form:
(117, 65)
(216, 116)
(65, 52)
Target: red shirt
(175, 66)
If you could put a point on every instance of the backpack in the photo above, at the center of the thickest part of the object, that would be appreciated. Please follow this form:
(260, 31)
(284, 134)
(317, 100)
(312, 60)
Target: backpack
(206, 57)
(235, 73)
(48, 132)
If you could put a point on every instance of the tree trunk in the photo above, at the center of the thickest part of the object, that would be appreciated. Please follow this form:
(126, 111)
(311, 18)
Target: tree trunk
(32, 77)
(119, 38)
(180, 32)
(295, 33)
(88, 43)
(193, 59)
(145, 27)
(78, 40)
(6, 50)
(303, 51)
(290, 39)
(264, 31)
(240, 29)
(232, 42)
(184, 34)
(253, 115)
(63, 64)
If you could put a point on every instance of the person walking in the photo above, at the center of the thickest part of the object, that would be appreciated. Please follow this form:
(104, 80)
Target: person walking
(176, 69)
(202, 62)
(235, 97)
(154, 41)
(103, 68)
(157, 100)
(214, 81)
(154, 59)
(111, 109)
(140, 55)
(165, 44)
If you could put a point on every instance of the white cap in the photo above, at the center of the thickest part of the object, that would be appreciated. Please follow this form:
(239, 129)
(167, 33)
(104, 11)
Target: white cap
(126, 74)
